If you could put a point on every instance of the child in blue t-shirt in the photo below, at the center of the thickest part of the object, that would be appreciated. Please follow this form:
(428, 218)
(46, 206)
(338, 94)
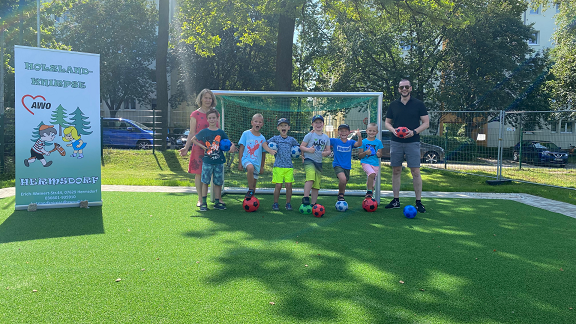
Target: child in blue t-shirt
(370, 154)
(283, 171)
(342, 163)
(251, 144)
(213, 161)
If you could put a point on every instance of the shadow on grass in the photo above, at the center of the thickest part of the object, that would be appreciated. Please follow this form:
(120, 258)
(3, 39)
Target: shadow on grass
(51, 223)
(463, 261)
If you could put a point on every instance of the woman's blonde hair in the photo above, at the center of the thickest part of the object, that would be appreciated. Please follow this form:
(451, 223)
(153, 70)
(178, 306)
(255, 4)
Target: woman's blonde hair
(70, 130)
(201, 94)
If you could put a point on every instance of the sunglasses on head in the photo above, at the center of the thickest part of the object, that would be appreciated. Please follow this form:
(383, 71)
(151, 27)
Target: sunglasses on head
(404, 87)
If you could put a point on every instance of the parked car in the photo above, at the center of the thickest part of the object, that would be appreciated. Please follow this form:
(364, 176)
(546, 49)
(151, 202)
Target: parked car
(428, 153)
(540, 152)
(181, 140)
(126, 133)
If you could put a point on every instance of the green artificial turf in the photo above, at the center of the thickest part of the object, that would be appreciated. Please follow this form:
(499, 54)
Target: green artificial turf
(464, 261)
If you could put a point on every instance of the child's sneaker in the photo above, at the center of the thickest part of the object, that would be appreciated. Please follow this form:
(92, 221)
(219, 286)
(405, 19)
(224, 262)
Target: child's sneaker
(420, 207)
(249, 194)
(305, 200)
(220, 206)
(288, 206)
(275, 207)
(203, 207)
(341, 197)
(393, 204)
(368, 195)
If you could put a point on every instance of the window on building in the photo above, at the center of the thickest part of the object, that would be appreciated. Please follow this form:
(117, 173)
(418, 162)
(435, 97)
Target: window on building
(130, 104)
(554, 126)
(566, 126)
(535, 11)
(535, 38)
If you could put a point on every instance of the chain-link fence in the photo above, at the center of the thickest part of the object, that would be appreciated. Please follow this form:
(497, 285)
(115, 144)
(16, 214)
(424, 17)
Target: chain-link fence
(526, 146)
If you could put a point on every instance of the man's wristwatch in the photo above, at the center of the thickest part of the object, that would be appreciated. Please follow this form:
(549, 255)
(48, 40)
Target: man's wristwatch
(415, 132)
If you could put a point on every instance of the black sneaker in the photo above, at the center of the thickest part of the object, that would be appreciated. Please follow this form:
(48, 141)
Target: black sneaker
(249, 194)
(305, 200)
(219, 205)
(393, 204)
(203, 207)
(420, 207)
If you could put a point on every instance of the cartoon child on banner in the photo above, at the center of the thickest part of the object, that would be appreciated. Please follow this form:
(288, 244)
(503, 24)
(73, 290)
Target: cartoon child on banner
(47, 133)
(71, 134)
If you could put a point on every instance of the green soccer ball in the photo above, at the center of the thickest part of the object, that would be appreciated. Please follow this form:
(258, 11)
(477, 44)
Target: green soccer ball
(305, 209)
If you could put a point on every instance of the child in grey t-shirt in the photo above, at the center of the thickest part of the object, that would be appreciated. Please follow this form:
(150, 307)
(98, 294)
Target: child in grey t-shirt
(315, 146)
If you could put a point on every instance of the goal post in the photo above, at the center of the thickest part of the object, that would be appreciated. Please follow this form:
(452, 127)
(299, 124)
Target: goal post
(356, 109)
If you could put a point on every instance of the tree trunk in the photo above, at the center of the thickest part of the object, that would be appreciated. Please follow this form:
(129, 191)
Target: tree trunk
(161, 73)
(284, 53)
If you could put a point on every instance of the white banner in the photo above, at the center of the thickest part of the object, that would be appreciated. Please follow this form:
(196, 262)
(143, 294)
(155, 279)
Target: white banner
(57, 128)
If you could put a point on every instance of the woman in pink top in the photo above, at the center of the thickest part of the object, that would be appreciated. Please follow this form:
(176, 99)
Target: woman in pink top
(198, 122)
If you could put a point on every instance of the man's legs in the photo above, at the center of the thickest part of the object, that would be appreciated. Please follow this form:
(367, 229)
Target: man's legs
(417, 180)
(396, 180)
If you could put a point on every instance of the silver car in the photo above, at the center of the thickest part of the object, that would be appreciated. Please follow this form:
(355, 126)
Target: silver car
(428, 153)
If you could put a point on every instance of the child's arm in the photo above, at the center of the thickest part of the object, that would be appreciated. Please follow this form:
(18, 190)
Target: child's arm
(268, 149)
(303, 148)
(326, 151)
(240, 153)
(195, 141)
(359, 140)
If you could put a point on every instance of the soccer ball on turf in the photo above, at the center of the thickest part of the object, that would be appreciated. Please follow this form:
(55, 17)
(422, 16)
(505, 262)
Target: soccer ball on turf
(273, 146)
(318, 210)
(410, 211)
(402, 131)
(251, 204)
(341, 206)
(370, 205)
(295, 151)
(305, 209)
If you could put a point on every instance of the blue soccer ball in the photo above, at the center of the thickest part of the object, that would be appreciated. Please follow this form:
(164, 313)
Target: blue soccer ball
(295, 151)
(273, 146)
(341, 206)
(225, 145)
(410, 211)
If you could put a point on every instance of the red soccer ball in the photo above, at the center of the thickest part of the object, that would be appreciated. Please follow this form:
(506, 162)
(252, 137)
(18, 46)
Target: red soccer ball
(402, 131)
(251, 204)
(318, 210)
(370, 205)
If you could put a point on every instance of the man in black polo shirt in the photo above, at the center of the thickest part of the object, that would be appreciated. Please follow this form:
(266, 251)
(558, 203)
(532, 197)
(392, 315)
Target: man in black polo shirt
(411, 113)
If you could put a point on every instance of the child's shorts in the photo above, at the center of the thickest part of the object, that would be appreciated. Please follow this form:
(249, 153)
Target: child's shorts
(312, 173)
(213, 172)
(280, 175)
(339, 169)
(256, 168)
(370, 169)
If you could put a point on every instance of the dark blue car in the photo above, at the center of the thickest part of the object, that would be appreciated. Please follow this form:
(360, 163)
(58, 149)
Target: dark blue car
(126, 133)
(540, 152)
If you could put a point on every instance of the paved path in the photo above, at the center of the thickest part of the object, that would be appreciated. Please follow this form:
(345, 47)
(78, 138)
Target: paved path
(535, 201)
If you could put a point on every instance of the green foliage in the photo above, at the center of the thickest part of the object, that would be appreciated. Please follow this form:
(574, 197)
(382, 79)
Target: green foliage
(123, 32)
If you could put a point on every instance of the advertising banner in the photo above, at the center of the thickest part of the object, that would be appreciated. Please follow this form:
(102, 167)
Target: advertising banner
(57, 128)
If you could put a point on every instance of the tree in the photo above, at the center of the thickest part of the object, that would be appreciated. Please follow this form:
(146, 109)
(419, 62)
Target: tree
(9, 28)
(79, 121)
(563, 53)
(161, 70)
(123, 32)
(489, 65)
(59, 118)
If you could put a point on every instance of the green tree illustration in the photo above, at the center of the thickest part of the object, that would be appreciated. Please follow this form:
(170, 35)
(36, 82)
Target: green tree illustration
(58, 118)
(79, 121)
(36, 132)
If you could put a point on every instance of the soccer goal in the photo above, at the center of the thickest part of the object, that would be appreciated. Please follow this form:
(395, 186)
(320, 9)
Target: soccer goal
(357, 109)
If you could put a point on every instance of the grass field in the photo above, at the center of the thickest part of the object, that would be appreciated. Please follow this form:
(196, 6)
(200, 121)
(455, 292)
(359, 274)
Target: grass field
(464, 261)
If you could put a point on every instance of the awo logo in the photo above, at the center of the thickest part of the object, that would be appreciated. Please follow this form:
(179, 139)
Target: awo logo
(34, 103)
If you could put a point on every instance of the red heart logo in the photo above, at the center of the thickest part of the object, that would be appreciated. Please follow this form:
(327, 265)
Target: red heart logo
(23, 104)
